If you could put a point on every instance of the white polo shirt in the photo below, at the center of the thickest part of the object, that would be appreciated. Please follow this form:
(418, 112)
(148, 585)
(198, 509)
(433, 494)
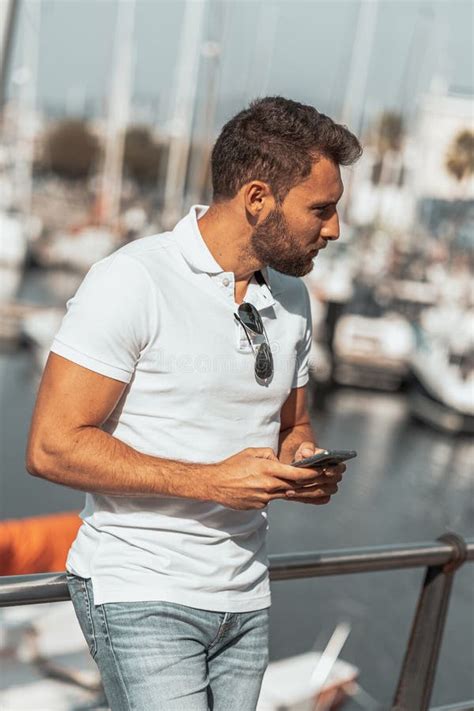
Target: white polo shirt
(158, 314)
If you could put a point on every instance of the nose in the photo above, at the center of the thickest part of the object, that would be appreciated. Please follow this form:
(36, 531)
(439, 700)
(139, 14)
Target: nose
(330, 229)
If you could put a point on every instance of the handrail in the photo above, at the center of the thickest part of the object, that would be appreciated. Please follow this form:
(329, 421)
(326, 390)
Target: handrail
(363, 560)
(52, 587)
(442, 558)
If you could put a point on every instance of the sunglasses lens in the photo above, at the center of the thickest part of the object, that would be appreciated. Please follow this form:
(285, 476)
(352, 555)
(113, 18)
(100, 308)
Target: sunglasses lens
(264, 362)
(251, 318)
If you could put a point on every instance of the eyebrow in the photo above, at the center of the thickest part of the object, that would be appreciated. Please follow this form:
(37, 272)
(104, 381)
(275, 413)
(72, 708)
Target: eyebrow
(330, 202)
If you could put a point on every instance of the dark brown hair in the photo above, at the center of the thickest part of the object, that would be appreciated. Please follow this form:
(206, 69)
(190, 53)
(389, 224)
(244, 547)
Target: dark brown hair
(276, 140)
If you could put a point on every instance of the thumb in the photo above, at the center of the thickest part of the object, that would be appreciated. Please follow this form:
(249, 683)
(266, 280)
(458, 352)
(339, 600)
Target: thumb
(306, 449)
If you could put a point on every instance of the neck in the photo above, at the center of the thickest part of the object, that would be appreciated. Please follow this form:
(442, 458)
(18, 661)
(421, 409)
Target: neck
(228, 240)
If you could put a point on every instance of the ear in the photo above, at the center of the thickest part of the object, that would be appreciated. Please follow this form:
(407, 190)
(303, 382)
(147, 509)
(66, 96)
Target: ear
(258, 199)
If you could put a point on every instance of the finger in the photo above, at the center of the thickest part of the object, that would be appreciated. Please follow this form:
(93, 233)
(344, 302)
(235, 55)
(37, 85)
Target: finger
(278, 495)
(335, 470)
(306, 449)
(303, 453)
(319, 481)
(276, 484)
(316, 481)
(315, 491)
(316, 502)
(302, 476)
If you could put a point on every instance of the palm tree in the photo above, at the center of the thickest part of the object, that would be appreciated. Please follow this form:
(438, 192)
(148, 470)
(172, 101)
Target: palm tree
(459, 163)
(460, 156)
(389, 135)
(142, 154)
(72, 150)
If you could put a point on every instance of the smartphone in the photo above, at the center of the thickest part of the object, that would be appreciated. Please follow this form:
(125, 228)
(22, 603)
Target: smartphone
(325, 458)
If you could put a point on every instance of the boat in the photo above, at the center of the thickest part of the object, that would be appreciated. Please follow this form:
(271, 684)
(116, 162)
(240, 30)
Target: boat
(77, 249)
(286, 685)
(10, 313)
(13, 241)
(39, 326)
(442, 367)
(51, 671)
(12, 316)
(312, 681)
(44, 668)
(373, 351)
(330, 288)
(23, 322)
(37, 544)
(55, 671)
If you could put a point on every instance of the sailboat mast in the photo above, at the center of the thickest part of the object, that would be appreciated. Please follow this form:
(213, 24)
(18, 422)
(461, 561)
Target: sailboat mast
(118, 112)
(26, 109)
(180, 125)
(353, 110)
(356, 93)
(8, 18)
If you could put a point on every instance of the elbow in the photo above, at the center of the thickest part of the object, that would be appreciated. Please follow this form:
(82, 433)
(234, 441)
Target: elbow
(34, 463)
(38, 462)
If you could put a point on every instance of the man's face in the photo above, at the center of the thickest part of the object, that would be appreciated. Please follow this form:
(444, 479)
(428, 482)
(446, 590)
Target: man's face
(292, 234)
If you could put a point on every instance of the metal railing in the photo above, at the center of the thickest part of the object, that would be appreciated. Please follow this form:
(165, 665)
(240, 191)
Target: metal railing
(442, 559)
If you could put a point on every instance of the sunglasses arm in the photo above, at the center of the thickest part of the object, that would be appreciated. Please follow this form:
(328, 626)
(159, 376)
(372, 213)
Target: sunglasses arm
(245, 330)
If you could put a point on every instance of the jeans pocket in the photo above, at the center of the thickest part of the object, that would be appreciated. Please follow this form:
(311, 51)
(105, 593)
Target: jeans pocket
(83, 606)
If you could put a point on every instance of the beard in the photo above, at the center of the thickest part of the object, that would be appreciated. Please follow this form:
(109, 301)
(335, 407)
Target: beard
(274, 245)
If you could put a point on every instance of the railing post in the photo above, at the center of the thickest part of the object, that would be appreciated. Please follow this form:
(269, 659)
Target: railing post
(417, 674)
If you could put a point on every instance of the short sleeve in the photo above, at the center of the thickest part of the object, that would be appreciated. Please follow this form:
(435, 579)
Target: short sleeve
(110, 319)
(303, 347)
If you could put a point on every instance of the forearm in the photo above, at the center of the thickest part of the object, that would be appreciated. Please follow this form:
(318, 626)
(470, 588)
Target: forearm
(95, 461)
(290, 440)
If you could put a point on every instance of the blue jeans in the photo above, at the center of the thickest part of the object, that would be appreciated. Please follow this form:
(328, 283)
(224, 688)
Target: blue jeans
(162, 656)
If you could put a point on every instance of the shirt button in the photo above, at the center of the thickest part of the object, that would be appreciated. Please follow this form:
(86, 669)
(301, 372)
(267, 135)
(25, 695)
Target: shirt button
(225, 281)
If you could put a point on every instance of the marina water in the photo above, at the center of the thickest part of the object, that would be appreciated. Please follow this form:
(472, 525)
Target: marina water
(408, 484)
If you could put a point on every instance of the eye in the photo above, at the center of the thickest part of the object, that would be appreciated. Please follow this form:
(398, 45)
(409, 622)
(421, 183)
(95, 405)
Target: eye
(321, 209)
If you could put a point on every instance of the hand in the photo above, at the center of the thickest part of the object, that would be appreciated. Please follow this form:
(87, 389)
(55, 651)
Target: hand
(306, 449)
(252, 478)
(320, 491)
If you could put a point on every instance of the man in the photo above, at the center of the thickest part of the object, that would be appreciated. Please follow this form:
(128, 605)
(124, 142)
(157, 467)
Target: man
(174, 395)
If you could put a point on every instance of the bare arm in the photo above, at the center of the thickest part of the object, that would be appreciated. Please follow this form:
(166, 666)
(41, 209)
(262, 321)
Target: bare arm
(297, 441)
(66, 446)
(295, 426)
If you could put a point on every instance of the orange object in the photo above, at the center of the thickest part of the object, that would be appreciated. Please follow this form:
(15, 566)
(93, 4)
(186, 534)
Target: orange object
(37, 545)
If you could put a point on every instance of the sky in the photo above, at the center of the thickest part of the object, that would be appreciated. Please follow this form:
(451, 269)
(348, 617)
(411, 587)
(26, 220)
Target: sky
(302, 49)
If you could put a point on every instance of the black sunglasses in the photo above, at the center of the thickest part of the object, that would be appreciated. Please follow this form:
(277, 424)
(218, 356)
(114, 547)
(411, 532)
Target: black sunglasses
(250, 319)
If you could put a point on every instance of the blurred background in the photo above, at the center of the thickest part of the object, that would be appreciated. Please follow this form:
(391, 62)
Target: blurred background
(109, 109)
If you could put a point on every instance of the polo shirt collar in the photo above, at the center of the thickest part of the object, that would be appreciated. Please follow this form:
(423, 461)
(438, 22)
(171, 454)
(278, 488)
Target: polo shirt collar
(191, 243)
(196, 253)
